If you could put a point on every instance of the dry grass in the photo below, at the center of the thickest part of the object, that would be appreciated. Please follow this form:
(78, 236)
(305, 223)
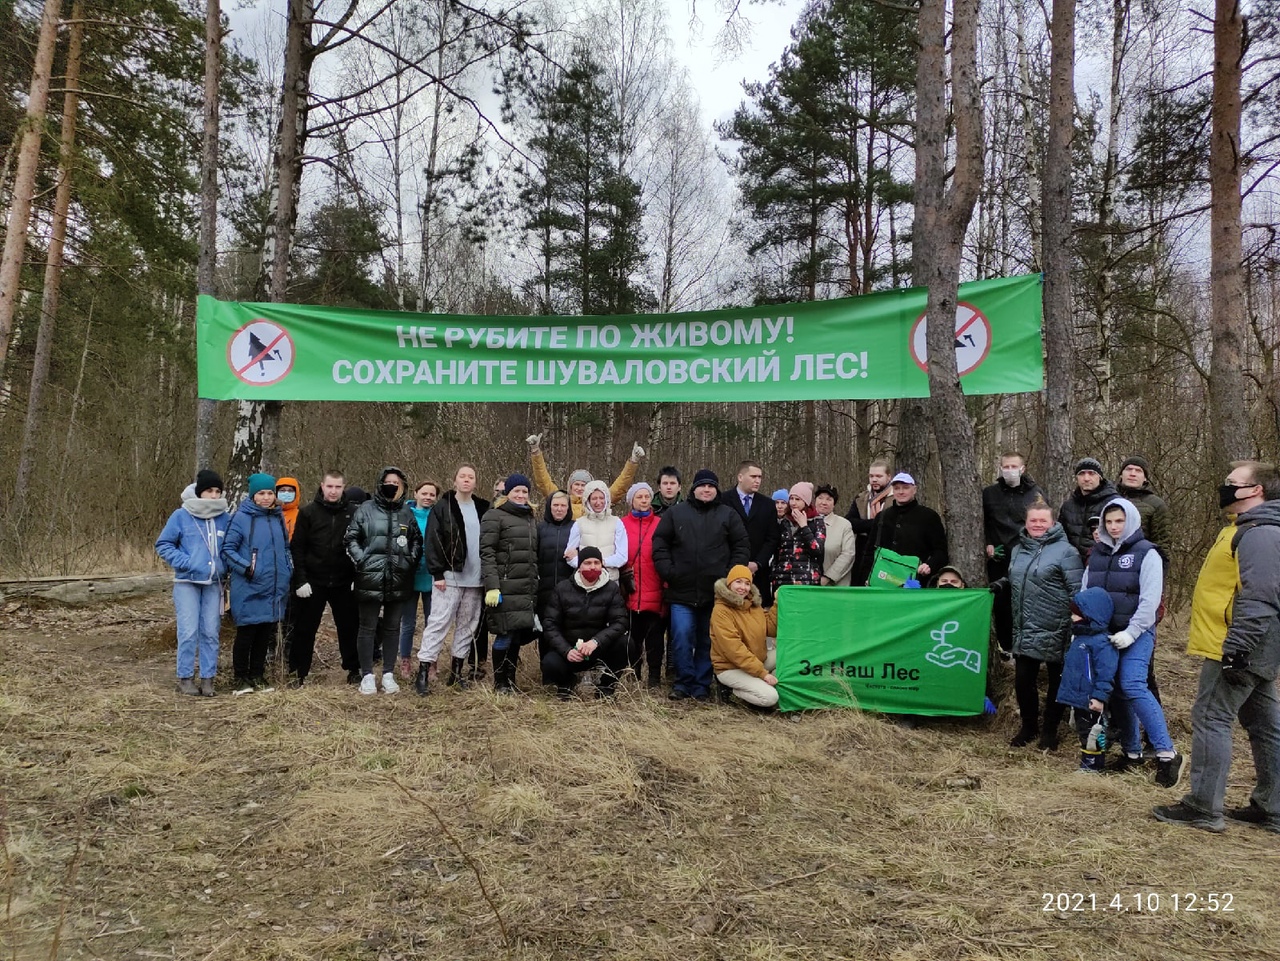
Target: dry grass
(318, 824)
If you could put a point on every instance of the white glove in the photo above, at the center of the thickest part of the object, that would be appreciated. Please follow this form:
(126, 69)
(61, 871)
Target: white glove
(1121, 639)
(304, 591)
(637, 452)
(534, 441)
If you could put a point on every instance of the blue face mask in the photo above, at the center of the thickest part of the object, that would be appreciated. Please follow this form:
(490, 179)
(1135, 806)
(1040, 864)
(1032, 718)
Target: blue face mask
(286, 496)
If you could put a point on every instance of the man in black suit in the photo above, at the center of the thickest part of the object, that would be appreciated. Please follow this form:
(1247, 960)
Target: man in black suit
(761, 520)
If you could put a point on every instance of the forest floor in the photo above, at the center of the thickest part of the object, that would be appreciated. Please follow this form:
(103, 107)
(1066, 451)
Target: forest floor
(310, 824)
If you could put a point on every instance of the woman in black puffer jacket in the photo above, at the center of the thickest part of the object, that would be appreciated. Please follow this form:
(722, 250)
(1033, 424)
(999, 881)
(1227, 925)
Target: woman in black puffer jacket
(509, 568)
(553, 541)
(384, 543)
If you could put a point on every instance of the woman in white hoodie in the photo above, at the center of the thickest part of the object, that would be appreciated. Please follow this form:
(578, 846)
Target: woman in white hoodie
(597, 527)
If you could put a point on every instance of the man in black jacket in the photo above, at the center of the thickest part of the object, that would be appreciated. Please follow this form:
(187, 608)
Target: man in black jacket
(695, 545)
(1004, 511)
(453, 558)
(1092, 492)
(909, 528)
(585, 627)
(761, 521)
(322, 574)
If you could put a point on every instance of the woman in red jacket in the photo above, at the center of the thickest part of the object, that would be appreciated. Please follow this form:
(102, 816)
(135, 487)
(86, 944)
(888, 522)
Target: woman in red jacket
(642, 586)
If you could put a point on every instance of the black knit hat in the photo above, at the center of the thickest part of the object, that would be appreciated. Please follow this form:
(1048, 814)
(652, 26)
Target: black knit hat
(828, 489)
(206, 480)
(589, 552)
(1090, 463)
(705, 475)
(1136, 460)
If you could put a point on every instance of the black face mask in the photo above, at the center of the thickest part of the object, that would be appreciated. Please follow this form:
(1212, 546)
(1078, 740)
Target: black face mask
(389, 491)
(1228, 494)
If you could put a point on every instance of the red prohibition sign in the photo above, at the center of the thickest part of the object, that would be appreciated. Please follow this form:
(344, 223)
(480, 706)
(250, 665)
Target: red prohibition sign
(260, 353)
(973, 339)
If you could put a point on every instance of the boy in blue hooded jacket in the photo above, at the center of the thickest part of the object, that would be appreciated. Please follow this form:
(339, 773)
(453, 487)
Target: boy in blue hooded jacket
(1089, 667)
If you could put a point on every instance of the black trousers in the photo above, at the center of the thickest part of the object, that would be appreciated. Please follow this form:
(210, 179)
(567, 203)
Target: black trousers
(1026, 686)
(1001, 604)
(306, 621)
(384, 630)
(249, 652)
(647, 643)
(557, 669)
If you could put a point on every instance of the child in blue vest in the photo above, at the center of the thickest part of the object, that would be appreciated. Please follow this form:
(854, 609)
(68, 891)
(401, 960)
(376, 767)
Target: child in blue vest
(1089, 668)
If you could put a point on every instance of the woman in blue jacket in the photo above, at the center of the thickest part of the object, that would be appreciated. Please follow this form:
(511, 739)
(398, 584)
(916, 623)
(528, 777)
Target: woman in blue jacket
(191, 543)
(256, 552)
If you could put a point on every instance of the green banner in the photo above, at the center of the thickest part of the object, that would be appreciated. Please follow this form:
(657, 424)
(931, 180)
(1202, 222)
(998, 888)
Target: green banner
(901, 652)
(854, 348)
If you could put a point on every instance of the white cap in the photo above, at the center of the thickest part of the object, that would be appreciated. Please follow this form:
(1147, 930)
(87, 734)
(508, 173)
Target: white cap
(903, 478)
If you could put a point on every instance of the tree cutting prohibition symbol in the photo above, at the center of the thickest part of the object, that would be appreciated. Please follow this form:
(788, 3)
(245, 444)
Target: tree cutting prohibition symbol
(973, 339)
(260, 353)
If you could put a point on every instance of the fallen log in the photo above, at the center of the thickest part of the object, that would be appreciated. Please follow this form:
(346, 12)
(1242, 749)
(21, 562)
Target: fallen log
(85, 590)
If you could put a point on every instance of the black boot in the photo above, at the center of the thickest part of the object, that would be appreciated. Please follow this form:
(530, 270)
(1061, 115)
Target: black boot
(457, 668)
(504, 672)
(420, 682)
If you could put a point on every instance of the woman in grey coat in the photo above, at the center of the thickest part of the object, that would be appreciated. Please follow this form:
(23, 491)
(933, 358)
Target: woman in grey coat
(1044, 574)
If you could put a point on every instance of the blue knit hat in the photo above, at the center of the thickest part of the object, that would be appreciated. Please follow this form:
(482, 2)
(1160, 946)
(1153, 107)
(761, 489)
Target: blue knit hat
(517, 480)
(261, 482)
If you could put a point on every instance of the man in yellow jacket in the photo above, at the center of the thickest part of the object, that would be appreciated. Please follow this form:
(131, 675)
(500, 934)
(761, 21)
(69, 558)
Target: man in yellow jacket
(1236, 627)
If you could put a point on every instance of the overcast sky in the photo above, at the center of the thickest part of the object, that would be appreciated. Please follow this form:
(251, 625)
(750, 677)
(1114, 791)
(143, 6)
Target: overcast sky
(716, 76)
(718, 79)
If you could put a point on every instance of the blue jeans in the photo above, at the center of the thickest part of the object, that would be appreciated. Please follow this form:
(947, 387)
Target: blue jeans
(199, 611)
(1133, 704)
(409, 621)
(691, 646)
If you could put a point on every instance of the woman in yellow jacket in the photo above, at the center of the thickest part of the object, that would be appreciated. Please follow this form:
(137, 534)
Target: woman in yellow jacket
(579, 479)
(740, 655)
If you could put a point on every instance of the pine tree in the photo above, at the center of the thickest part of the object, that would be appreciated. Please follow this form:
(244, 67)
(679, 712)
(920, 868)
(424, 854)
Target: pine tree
(583, 214)
(820, 146)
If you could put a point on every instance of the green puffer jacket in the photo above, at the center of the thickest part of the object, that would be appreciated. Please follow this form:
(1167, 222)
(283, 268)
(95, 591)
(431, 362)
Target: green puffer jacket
(1044, 574)
(509, 563)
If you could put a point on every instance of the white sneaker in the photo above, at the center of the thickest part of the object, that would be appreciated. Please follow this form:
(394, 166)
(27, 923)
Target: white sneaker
(389, 685)
(368, 685)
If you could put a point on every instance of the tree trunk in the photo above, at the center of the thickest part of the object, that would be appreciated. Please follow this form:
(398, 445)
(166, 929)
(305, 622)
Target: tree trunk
(942, 217)
(1059, 327)
(254, 444)
(24, 181)
(206, 267)
(53, 261)
(1227, 397)
(1027, 96)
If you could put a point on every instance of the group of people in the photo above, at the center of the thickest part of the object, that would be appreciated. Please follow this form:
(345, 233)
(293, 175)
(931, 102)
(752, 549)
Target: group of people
(683, 585)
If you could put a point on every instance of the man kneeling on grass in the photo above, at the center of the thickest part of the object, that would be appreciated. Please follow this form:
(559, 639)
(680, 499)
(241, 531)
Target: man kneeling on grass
(585, 628)
(739, 628)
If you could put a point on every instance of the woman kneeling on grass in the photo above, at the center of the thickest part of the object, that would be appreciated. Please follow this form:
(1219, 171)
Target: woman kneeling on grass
(740, 655)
